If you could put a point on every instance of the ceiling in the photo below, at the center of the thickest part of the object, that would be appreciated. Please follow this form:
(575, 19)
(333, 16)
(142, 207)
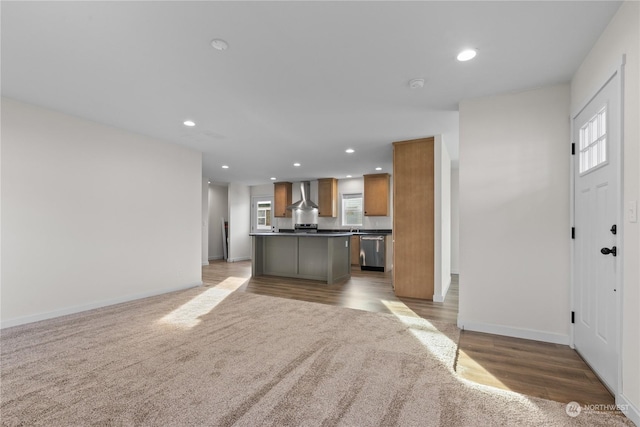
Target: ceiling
(299, 82)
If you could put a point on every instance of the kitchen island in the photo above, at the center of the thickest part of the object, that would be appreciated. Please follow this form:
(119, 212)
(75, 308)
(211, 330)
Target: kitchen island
(315, 256)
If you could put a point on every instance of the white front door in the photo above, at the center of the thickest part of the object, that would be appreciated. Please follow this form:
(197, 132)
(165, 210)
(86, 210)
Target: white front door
(596, 132)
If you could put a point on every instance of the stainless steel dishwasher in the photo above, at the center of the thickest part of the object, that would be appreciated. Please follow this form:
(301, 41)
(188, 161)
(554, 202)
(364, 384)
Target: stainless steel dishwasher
(372, 252)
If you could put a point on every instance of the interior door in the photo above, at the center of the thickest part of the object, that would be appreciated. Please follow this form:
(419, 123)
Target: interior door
(596, 131)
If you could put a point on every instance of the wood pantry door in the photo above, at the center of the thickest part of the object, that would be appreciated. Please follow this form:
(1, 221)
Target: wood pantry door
(413, 218)
(597, 201)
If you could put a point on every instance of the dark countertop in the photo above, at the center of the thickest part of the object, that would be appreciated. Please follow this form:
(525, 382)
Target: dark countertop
(325, 233)
(291, 234)
(359, 231)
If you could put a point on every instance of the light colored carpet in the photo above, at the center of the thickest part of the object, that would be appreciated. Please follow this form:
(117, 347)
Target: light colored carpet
(209, 357)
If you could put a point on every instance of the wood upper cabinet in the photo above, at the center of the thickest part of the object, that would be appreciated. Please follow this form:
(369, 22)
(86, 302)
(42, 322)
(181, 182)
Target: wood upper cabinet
(282, 196)
(328, 197)
(413, 218)
(376, 194)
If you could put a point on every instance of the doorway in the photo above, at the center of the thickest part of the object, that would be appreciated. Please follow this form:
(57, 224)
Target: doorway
(261, 214)
(596, 130)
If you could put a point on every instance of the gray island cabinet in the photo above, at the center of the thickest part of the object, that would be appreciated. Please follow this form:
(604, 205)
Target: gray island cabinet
(315, 256)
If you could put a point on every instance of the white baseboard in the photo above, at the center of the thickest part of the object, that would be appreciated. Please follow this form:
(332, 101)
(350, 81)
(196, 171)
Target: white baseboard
(214, 258)
(441, 298)
(85, 307)
(528, 334)
(629, 409)
(238, 259)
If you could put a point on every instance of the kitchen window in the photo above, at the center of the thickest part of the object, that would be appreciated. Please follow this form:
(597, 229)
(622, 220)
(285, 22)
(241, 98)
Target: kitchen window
(352, 210)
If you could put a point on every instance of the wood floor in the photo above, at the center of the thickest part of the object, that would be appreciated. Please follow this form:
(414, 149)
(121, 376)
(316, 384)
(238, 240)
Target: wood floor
(534, 368)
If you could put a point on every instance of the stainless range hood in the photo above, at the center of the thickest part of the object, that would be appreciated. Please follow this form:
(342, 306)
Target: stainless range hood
(304, 203)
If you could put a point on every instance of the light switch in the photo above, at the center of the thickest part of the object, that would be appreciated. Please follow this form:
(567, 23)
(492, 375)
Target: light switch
(346, 243)
(632, 211)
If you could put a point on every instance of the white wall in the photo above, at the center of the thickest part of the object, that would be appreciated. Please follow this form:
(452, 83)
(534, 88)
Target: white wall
(205, 221)
(455, 194)
(218, 210)
(622, 36)
(514, 214)
(239, 222)
(442, 219)
(92, 215)
(262, 190)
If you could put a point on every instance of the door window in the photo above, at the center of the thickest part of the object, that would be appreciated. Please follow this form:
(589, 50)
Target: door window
(593, 141)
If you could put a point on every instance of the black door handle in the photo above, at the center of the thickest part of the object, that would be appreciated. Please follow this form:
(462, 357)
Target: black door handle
(607, 251)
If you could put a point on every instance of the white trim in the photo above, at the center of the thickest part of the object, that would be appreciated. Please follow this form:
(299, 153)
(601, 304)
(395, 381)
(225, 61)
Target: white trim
(618, 71)
(437, 219)
(205, 263)
(620, 233)
(238, 259)
(213, 258)
(441, 298)
(508, 331)
(572, 223)
(628, 408)
(91, 306)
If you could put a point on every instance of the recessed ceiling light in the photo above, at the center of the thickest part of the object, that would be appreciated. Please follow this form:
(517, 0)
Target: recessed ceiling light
(416, 83)
(349, 150)
(296, 164)
(208, 182)
(225, 167)
(189, 123)
(219, 44)
(378, 168)
(466, 55)
(348, 176)
(273, 178)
